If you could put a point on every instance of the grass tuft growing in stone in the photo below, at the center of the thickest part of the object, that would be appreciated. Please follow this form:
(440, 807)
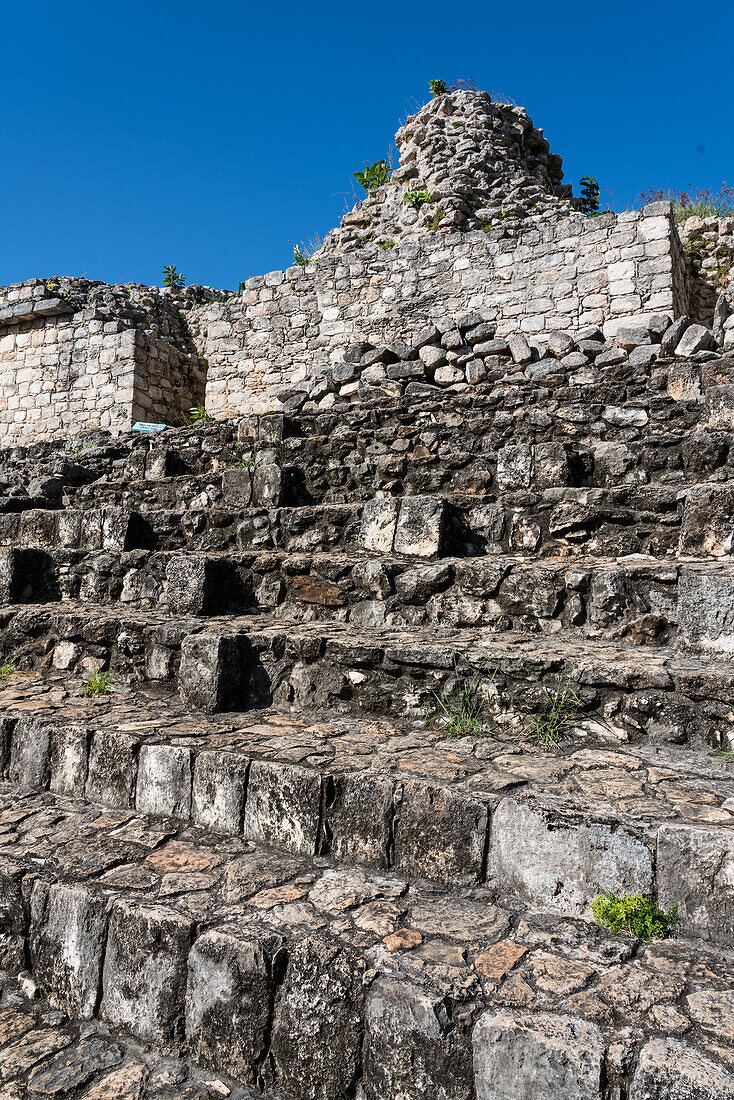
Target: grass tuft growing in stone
(633, 915)
(10, 667)
(557, 719)
(99, 683)
(463, 708)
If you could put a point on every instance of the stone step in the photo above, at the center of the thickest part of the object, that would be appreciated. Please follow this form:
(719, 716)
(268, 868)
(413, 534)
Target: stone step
(317, 982)
(229, 662)
(47, 1052)
(605, 522)
(412, 446)
(342, 470)
(643, 599)
(552, 828)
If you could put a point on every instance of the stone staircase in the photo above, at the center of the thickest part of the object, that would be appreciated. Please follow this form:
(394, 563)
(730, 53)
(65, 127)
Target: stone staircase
(258, 857)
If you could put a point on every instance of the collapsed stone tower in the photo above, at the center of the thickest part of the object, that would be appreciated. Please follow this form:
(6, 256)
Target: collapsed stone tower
(479, 163)
(376, 746)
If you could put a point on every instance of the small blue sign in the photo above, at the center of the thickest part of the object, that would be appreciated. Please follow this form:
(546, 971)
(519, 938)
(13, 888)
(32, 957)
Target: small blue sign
(140, 426)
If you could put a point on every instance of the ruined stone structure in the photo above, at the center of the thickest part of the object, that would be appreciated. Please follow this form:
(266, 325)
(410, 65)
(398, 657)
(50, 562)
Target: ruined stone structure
(242, 851)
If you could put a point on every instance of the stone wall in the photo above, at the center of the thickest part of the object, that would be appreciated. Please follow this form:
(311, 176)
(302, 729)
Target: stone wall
(77, 355)
(565, 275)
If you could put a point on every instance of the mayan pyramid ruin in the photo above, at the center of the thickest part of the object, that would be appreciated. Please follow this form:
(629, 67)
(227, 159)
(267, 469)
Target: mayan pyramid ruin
(367, 734)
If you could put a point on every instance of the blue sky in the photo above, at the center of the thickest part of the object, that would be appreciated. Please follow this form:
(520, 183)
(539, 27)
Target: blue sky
(209, 135)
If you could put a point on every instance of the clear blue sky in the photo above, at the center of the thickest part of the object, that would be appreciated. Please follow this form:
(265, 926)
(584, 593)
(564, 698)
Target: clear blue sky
(209, 135)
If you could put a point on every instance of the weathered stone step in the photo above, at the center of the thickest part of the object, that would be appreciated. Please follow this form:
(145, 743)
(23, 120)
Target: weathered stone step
(552, 829)
(309, 471)
(231, 662)
(47, 1052)
(606, 522)
(411, 447)
(643, 599)
(324, 983)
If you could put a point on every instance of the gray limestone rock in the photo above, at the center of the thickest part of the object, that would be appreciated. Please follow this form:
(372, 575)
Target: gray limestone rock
(421, 527)
(144, 976)
(695, 338)
(232, 977)
(671, 1070)
(212, 671)
(695, 871)
(218, 792)
(283, 806)
(546, 1057)
(412, 1047)
(67, 940)
(563, 864)
(164, 781)
(317, 1024)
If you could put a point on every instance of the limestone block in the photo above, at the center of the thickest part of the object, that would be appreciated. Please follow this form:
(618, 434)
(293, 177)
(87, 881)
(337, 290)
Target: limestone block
(411, 1047)
(720, 407)
(379, 518)
(67, 937)
(317, 1024)
(212, 671)
(514, 467)
(696, 873)
(283, 806)
(439, 834)
(421, 527)
(144, 976)
(684, 381)
(695, 338)
(267, 485)
(111, 769)
(520, 349)
(218, 793)
(237, 487)
(196, 585)
(706, 610)
(164, 781)
(707, 527)
(30, 753)
(229, 994)
(630, 337)
(563, 864)
(550, 466)
(671, 1070)
(358, 819)
(517, 1056)
(69, 751)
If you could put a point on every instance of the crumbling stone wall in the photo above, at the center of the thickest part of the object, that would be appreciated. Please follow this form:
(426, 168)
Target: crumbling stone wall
(563, 275)
(708, 246)
(77, 355)
(477, 164)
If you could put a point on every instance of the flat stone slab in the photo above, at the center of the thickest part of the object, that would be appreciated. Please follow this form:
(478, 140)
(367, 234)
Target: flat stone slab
(377, 981)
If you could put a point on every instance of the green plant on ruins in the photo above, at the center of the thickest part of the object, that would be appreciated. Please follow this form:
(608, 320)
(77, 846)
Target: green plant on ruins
(373, 176)
(633, 915)
(434, 221)
(589, 195)
(172, 277)
(10, 667)
(558, 716)
(696, 202)
(417, 198)
(198, 415)
(437, 87)
(463, 708)
(242, 461)
(99, 683)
